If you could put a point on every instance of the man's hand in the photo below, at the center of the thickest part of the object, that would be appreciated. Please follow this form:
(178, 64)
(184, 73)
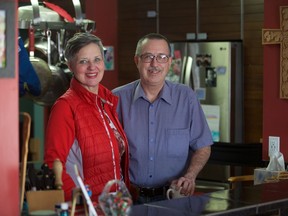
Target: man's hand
(187, 184)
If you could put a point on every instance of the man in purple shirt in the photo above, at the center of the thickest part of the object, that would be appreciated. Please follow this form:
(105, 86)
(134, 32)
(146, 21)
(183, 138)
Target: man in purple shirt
(167, 132)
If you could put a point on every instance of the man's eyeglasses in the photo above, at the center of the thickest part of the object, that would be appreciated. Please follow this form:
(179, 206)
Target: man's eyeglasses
(148, 58)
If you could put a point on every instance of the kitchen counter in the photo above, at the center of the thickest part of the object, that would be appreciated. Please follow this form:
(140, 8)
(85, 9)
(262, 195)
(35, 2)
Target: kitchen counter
(248, 201)
(237, 154)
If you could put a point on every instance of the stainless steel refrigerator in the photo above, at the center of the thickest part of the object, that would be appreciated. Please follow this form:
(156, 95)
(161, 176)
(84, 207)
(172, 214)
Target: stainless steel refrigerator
(214, 71)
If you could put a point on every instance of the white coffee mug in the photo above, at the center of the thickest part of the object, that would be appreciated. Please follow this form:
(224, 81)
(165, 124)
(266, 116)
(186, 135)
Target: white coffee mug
(172, 193)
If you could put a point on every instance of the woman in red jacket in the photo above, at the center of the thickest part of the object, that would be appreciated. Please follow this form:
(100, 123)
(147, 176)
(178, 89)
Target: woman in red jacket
(83, 127)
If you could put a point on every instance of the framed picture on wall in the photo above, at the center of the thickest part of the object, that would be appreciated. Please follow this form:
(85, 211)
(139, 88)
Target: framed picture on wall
(2, 38)
(7, 42)
(109, 58)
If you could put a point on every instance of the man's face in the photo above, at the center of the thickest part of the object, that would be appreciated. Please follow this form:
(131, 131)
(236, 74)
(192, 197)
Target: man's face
(154, 62)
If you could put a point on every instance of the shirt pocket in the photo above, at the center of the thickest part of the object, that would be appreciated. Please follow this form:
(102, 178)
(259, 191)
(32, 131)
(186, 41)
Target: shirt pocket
(177, 142)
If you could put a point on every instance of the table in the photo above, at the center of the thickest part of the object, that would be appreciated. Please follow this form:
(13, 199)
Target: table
(244, 201)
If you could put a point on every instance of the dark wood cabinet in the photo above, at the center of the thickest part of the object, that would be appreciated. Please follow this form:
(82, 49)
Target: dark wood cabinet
(177, 18)
(221, 20)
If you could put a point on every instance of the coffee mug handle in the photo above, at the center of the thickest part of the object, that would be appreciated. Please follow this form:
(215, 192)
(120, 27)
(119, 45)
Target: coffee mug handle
(169, 193)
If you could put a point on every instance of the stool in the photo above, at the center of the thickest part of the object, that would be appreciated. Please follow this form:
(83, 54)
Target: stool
(77, 193)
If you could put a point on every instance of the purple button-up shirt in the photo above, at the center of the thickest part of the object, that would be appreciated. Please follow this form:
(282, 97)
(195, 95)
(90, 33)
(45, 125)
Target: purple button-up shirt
(162, 134)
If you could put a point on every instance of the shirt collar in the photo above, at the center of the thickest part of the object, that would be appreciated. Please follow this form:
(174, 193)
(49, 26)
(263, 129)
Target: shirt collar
(165, 94)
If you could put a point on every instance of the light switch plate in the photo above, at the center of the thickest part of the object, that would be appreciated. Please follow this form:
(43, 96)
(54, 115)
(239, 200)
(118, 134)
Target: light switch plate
(274, 145)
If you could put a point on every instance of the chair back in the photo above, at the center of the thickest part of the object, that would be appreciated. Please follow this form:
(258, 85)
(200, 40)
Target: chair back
(25, 136)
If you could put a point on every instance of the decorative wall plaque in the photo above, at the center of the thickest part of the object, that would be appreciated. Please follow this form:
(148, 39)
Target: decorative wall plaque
(7, 39)
(280, 36)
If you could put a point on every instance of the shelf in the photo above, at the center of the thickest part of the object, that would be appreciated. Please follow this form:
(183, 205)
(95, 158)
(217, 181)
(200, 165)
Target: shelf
(85, 25)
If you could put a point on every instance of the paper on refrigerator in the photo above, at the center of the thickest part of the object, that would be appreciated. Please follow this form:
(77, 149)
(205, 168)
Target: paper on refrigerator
(212, 114)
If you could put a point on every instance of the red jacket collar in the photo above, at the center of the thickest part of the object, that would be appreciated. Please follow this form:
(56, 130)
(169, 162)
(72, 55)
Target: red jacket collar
(103, 93)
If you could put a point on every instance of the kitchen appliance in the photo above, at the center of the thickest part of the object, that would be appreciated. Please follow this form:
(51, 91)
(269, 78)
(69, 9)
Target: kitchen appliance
(214, 70)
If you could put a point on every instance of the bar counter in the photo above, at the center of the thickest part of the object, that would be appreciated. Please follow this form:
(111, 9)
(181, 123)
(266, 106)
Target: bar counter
(265, 199)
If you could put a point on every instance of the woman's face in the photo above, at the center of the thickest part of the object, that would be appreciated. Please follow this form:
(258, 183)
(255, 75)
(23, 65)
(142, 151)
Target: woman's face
(88, 67)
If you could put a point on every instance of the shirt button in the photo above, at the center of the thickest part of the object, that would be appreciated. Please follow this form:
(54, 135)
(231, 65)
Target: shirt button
(152, 123)
(150, 176)
(151, 158)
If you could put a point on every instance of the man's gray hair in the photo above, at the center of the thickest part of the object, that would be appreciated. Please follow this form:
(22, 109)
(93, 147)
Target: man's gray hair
(151, 36)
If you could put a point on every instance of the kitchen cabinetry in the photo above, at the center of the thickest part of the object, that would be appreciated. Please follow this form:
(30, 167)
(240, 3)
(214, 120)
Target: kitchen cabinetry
(177, 19)
(220, 20)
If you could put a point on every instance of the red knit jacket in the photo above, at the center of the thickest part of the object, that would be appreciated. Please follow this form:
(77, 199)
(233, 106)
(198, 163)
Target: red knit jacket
(76, 119)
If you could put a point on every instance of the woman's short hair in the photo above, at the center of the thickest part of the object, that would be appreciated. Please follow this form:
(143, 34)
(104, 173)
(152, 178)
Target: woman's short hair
(78, 41)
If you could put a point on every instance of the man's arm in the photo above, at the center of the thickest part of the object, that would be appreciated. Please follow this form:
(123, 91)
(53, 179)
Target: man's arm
(198, 161)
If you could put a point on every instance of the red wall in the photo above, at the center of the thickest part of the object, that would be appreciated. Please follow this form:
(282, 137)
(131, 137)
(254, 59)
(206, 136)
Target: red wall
(275, 110)
(105, 14)
(9, 136)
(9, 152)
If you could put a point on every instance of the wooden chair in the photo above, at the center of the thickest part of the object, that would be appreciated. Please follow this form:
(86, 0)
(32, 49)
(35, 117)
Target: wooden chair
(25, 136)
(233, 180)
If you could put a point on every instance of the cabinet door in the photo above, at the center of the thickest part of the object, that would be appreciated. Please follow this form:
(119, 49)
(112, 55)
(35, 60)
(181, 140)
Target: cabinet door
(177, 18)
(220, 20)
(133, 23)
